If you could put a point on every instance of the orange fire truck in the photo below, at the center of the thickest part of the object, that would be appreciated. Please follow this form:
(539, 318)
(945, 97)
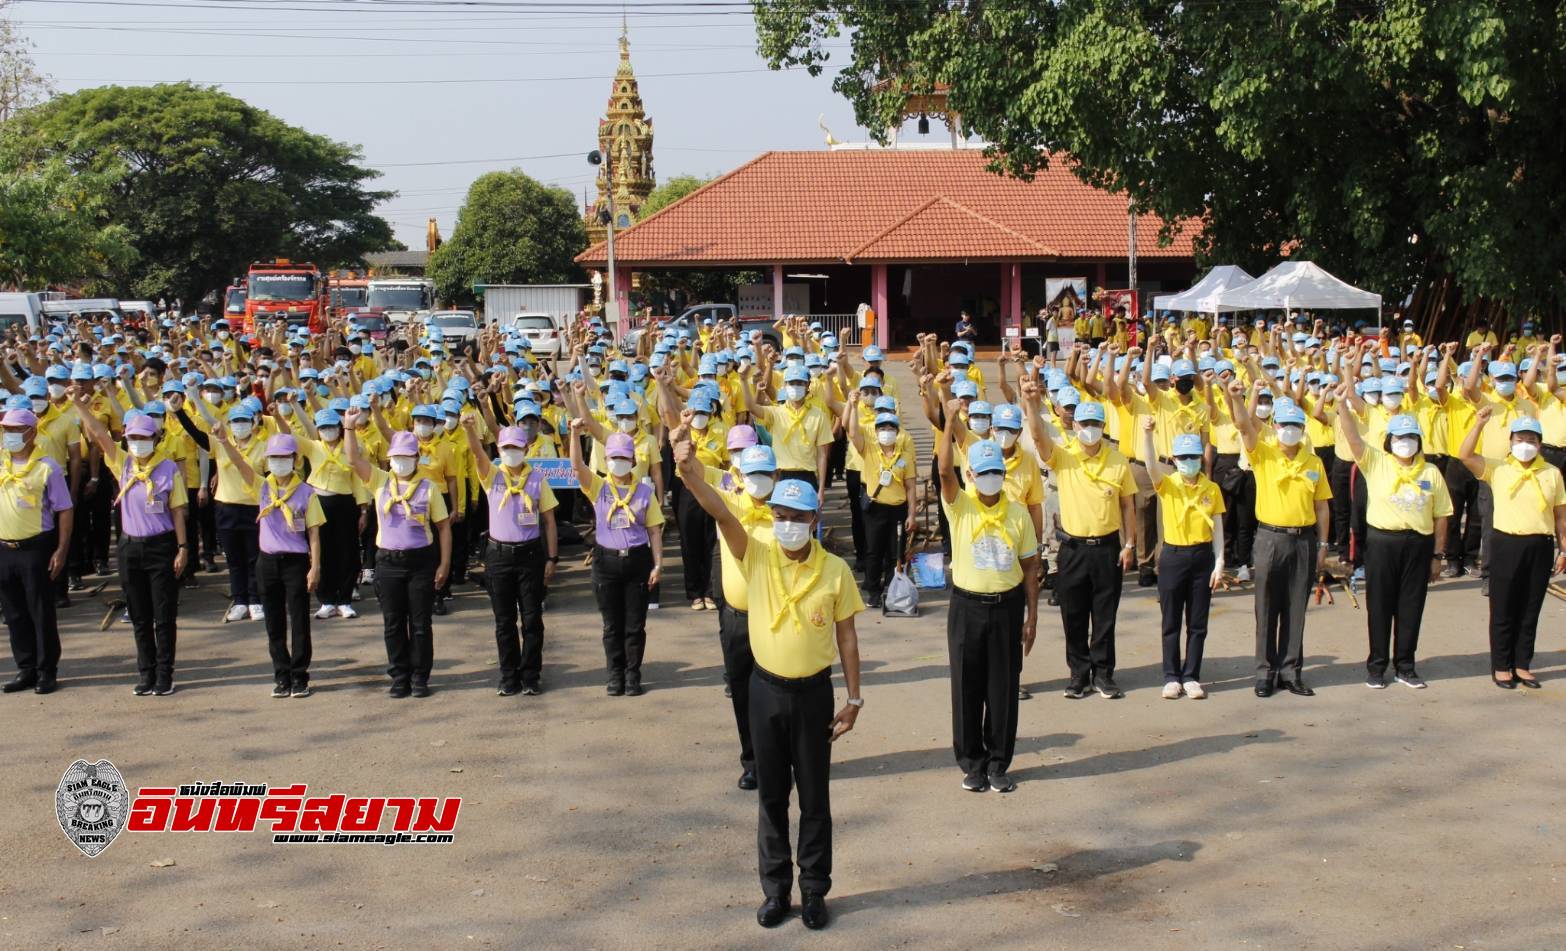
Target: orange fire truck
(346, 292)
(284, 289)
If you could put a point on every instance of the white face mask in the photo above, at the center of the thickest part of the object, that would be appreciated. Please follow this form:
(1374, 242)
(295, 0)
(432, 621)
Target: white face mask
(990, 483)
(222, 335)
(140, 448)
(40, 406)
(1405, 448)
(700, 421)
(1374, 399)
(1524, 452)
(423, 430)
(759, 486)
(796, 392)
(331, 433)
(1393, 401)
(241, 430)
(280, 467)
(979, 425)
(620, 467)
(404, 466)
(792, 535)
(511, 458)
(1290, 435)
(1263, 410)
(626, 425)
(56, 390)
(1090, 435)
(451, 422)
(886, 437)
(14, 442)
(1006, 437)
(1189, 467)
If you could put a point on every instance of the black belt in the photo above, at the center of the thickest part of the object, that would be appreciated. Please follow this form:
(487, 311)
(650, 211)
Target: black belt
(516, 546)
(167, 536)
(1066, 538)
(1205, 546)
(26, 544)
(621, 552)
(1286, 529)
(400, 554)
(1399, 532)
(824, 675)
(998, 597)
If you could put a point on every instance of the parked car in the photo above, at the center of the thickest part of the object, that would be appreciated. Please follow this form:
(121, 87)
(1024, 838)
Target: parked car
(457, 326)
(541, 331)
(24, 310)
(376, 325)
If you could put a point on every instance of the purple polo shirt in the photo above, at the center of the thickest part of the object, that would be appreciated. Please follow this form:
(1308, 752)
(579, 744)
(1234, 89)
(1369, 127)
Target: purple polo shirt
(409, 524)
(277, 537)
(625, 525)
(144, 514)
(27, 509)
(515, 519)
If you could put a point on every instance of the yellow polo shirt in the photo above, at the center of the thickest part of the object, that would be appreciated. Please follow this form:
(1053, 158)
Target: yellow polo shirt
(888, 473)
(1287, 490)
(1186, 509)
(1172, 416)
(1090, 488)
(24, 494)
(988, 542)
(1552, 417)
(1435, 423)
(1024, 479)
(795, 435)
(1525, 496)
(1495, 442)
(1403, 498)
(232, 488)
(795, 607)
(329, 470)
(755, 516)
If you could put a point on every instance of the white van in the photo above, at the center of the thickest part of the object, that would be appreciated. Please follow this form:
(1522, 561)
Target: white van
(23, 309)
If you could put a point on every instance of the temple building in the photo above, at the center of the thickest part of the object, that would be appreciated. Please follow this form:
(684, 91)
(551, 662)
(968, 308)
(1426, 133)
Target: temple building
(625, 139)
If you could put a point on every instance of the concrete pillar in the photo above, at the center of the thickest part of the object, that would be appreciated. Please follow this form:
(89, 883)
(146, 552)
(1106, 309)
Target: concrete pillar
(1015, 283)
(622, 293)
(777, 291)
(878, 303)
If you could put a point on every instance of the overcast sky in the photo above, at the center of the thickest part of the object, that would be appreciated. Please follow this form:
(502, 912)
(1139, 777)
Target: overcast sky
(379, 74)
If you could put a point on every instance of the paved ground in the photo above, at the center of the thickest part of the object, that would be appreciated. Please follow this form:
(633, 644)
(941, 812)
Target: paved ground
(1394, 819)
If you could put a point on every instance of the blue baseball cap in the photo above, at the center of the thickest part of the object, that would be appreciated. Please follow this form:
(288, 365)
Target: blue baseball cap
(526, 408)
(56, 372)
(173, 386)
(888, 419)
(958, 358)
(1527, 424)
(625, 408)
(757, 458)
(1183, 368)
(885, 404)
(1088, 412)
(966, 388)
(986, 456)
(1372, 385)
(1186, 444)
(1289, 414)
(707, 366)
(700, 402)
(1403, 424)
(980, 408)
(868, 382)
(328, 417)
(1160, 372)
(873, 354)
(1500, 368)
(1392, 384)
(1068, 396)
(794, 494)
(425, 411)
(796, 374)
(241, 412)
(1006, 416)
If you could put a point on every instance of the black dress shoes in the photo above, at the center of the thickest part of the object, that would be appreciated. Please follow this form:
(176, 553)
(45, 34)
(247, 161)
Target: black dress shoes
(22, 682)
(1298, 688)
(46, 684)
(813, 911)
(747, 780)
(421, 689)
(1264, 688)
(772, 912)
(399, 689)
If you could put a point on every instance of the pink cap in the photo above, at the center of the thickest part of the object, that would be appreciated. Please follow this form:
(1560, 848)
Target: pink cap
(620, 446)
(741, 437)
(141, 426)
(281, 445)
(513, 437)
(403, 444)
(19, 417)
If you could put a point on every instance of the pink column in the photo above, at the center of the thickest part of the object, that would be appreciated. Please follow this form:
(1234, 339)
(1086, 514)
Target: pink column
(1016, 295)
(1005, 300)
(777, 291)
(883, 336)
(622, 293)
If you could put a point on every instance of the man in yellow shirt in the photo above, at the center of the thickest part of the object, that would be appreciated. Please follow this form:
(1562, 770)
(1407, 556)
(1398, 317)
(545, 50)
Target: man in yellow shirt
(1291, 512)
(35, 522)
(1530, 508)
(1190, 562)
(801, 432)
(993, 616)
(890, 481)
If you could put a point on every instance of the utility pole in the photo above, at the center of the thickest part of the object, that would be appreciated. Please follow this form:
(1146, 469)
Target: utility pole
(1131, 246)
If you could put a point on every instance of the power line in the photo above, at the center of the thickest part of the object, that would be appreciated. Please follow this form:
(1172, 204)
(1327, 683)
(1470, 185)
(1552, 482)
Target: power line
(404, 82)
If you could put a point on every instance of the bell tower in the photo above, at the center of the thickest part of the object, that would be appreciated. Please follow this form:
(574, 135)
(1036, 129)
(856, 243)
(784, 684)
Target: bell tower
(625, 139)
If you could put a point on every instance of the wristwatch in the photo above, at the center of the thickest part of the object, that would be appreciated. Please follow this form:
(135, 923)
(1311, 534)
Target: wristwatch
(856, 701)
(553, 558)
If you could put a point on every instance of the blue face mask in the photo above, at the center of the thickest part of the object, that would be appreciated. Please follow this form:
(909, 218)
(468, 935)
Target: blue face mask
(1188, 467)
(1506, 387)
(322, 389)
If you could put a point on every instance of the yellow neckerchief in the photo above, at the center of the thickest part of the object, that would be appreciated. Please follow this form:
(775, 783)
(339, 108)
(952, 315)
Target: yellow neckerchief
(1189, 495)
(796, 421)
(785, 596)
(616, 502)
(10, 474)
(405, 499)
(136, 472)
(1190, 416)
(334, 454)
(1096, 473)
(280, 498)
(519, 488)
(1295, 468)
(1409, 474)
(991, 517)
(1530, 473)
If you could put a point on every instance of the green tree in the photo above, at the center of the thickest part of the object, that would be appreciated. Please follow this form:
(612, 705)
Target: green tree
(205, 183)
(21, 84)
(671, 290)
(1404, 144)
(510, 230)
(50, 231)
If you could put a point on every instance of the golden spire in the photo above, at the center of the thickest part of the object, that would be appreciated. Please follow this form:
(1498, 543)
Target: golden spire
(625, 138)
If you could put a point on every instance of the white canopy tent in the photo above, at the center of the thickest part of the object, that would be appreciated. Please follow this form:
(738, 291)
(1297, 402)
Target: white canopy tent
(1298, 285)
(1203, 296)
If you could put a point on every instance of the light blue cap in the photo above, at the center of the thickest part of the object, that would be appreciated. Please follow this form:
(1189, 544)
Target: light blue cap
(525, 408)
(328, 417)
(1288, 414)
(1372, 385)
(1392, 384)
(1527, 424)
(426, 411)
(707, 366)
(873, 354)
(1006, 416)
(1403, 424)
(794, 494)
(966, 388)
(1088, 412)
(885, 404)
(986, 456)
(241, 411)
(1499, 368)
(958, 358)
(1183, 368)
(796, 374)
(888, 419)
(625, 408)
(173, 386)
(1160, 372)
(757, 459)
(57, 372)
(868, 382)
(1068, 396)
(1186, 444)
(980, 408)
(699, 402)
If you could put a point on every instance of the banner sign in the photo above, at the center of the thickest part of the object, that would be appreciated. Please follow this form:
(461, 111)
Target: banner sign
(558, 472)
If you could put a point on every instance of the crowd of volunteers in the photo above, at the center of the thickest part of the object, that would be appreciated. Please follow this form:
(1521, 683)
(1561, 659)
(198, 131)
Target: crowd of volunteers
(1190, 453)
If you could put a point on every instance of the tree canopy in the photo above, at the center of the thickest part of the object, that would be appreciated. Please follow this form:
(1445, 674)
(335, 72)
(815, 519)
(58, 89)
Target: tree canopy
(1402, 144)
(204, 183)
(50, 232)
(510, 230)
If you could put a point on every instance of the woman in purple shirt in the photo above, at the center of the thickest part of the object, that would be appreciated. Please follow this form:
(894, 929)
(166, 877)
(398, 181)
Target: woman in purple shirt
(413, 544)
(627, 554)
(154, 545)
(521, 556)
(288, 568)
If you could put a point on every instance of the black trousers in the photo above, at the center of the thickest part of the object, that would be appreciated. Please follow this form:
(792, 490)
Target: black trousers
(698, 536)
(854, 481)
(1462, 528)
(1486, 526)
(882, 552)
(1185, 596)
(620, 583)
(459, 537)
(241, 540)
(206, 519)
(790, 727)
(367, 539)
(1397, 578)
(514, 574)
(152, 597)
(1087, 584)
(193, 534)
(837, 458)
(984, 644)
(1359, 521)
(405, 586)
(1285, 568)
(339, 549)
(1520, 573)
(1328, 455)
(27, 602)
(286, 600)
(738, 662)
(1341, 508)
(1239, 501)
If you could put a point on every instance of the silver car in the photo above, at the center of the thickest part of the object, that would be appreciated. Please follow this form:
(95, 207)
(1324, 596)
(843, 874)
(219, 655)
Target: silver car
(455, 324)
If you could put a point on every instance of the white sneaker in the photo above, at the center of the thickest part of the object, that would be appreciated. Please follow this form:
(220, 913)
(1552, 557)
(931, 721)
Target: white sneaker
(1194, 690)
(326, 611)
(236, 612)
(367, 576)
(347, 611)
(1171, 691)
(1244, 574)
(257, 613)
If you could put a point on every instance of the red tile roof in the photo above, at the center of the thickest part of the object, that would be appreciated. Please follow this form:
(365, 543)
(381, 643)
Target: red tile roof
(882, 206)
